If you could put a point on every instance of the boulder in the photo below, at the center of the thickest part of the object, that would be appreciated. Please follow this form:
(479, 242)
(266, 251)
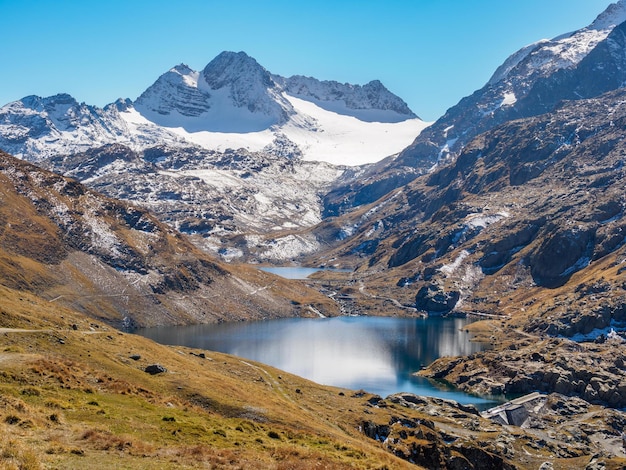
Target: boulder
(432, 298)
(154, 369)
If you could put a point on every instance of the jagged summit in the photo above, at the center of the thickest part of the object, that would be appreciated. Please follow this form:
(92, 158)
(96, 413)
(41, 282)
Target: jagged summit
(370, 102)
(245, 84)
(234, 93)
(232, 67)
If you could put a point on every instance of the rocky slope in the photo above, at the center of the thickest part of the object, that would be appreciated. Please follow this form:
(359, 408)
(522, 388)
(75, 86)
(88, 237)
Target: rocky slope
(236, 204)
(526, 225)
(116, 262)
(533, 201)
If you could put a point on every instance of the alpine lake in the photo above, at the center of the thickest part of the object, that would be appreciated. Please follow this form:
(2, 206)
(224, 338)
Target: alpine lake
(376, 354)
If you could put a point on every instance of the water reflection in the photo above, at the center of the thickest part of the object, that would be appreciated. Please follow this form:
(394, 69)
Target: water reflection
(297, 272)
(371, 353)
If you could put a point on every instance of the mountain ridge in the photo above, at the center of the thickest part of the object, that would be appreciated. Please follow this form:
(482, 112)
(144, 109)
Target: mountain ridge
(232, 103)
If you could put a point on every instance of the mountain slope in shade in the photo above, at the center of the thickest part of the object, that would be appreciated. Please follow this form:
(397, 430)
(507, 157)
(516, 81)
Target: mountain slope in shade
(582, 64)
(232, 103)
(116, 262)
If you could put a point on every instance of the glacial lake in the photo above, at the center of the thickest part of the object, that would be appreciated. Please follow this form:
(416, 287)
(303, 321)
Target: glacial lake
(376, 354)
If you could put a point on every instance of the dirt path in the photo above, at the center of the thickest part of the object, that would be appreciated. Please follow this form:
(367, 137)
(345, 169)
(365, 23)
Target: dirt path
(21, 330)
(395, 302)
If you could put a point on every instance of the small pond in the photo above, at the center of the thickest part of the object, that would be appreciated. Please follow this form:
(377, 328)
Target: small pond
(297, 272)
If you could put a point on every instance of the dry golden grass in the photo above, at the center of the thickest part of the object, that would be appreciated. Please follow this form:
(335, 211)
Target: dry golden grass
(73, 398)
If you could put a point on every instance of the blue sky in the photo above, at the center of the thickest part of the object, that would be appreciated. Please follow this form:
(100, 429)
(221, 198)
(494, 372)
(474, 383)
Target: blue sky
(429, 52)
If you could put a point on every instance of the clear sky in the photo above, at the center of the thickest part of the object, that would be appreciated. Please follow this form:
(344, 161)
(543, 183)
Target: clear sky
(429, 52)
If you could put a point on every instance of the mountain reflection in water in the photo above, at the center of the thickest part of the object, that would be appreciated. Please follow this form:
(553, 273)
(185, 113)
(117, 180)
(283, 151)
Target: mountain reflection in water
(372, 353)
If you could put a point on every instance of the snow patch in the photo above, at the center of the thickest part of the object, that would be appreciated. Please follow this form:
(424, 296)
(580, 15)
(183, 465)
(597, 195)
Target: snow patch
(609, 332)
(290, 247)
(452, 267)
(509, 99)
(481, 220)
(446, 150)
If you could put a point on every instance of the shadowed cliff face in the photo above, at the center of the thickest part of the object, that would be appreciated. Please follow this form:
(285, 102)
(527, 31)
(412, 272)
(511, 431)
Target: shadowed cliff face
(529, 204)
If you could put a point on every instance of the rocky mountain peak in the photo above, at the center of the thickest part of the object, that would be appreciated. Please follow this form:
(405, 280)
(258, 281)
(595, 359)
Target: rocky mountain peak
(182, 69)
(47, 104)
(369, 102)
(230, 68)
(175, 92)
(614, 15)
(232, 94)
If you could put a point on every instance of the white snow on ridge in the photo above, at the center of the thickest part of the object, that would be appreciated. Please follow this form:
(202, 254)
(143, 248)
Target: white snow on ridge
(614, 15)
(565, 51)
(346, 140)
(570, 50)
(321, 135)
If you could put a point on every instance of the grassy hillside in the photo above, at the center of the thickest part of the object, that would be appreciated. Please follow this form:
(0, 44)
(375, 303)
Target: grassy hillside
(118, 263)
(73, 397)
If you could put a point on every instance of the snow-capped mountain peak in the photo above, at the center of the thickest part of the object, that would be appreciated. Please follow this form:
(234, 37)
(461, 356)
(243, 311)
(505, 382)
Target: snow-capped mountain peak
(233, 94)
(545, 57)
(229, 68)
(232, 103)
(247, 85)
(615, 14)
